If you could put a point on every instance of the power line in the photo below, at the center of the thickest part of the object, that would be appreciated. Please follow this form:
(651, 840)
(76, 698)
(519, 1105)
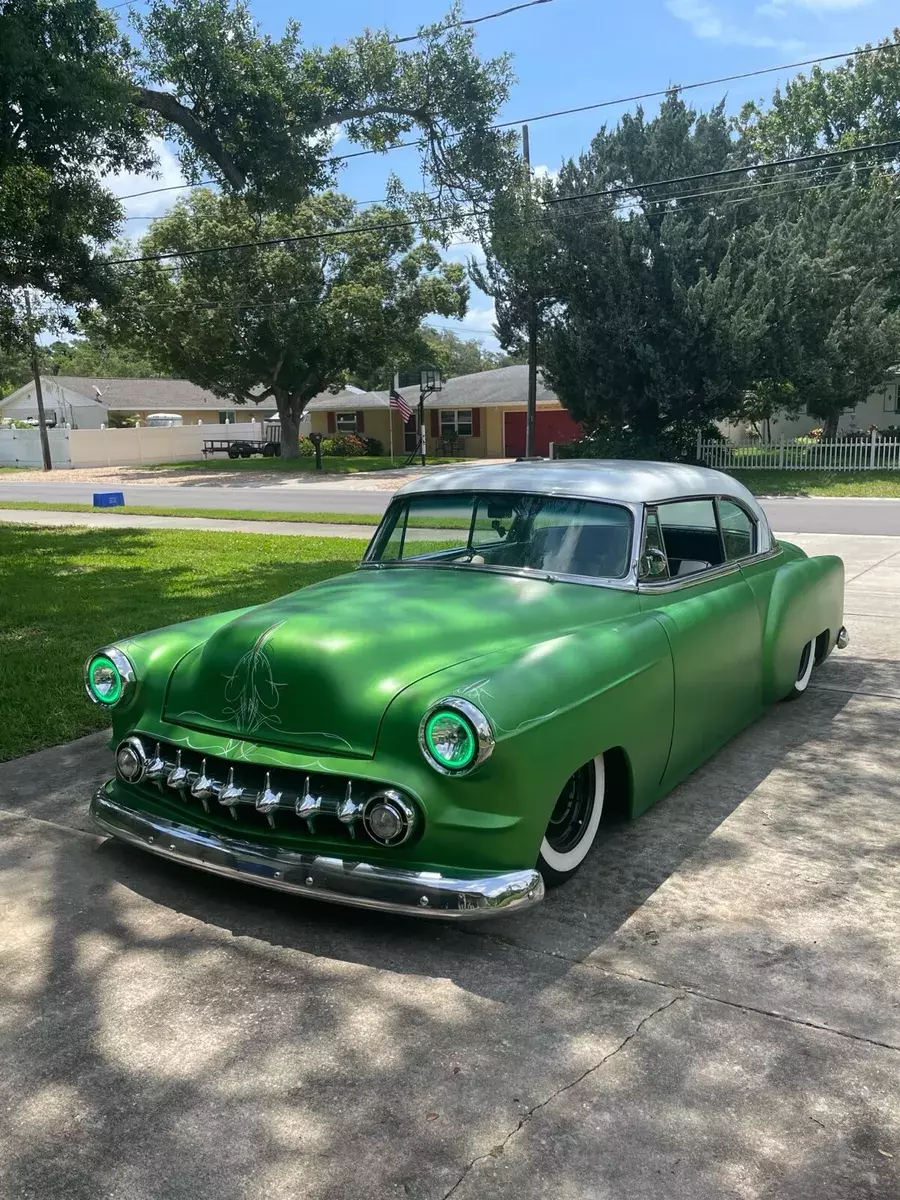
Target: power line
(565, 112)
(777, 162)
(608, 193)
(505, 12)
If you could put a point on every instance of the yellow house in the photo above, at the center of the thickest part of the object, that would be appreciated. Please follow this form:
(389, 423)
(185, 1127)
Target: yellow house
(473, 416)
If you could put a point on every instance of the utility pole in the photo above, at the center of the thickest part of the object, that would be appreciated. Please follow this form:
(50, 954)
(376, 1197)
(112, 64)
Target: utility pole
(532, 326)
(36, 372)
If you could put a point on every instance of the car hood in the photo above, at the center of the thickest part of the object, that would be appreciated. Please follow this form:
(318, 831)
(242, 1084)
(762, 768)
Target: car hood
(316, 670)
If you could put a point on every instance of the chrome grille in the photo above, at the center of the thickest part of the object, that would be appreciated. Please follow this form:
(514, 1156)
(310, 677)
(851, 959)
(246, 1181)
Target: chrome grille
(310, 803)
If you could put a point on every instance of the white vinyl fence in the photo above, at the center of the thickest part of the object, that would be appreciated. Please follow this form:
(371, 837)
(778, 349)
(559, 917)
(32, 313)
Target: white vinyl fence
(872, 453)
(118, 447)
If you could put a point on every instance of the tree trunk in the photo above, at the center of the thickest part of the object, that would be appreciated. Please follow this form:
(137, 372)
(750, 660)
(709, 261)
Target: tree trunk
(830, 428)
(290, 409)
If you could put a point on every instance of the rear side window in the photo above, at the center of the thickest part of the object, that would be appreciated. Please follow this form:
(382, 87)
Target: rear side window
(691, 536)
(738, 530)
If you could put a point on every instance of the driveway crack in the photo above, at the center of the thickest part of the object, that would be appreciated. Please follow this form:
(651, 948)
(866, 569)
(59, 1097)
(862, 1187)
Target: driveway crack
(497, 1150)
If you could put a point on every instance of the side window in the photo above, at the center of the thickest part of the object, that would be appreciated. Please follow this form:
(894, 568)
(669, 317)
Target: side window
(653, 564)
(690, 536)
(738, 530)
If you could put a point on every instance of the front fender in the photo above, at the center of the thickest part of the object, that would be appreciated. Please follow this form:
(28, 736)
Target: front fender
(553, 707)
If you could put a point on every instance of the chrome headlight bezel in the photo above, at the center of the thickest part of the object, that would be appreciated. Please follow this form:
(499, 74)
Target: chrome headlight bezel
(122, 666)
(479, 725)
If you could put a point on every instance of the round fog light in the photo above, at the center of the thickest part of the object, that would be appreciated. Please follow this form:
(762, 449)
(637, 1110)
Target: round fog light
(389, 818)
(131, 760)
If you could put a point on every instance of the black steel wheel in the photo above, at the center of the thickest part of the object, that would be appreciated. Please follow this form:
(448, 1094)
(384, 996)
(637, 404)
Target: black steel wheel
(573, 824)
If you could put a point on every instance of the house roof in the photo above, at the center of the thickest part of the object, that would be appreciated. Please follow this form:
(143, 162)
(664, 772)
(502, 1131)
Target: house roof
(155, 395)
(484, 389)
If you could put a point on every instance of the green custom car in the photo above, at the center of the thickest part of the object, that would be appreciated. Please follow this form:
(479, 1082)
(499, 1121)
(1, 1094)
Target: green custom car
(524, 650)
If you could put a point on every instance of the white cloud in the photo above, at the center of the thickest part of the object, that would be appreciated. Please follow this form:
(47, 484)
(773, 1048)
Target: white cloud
(706, 21)
(544, 172)
(157, 201)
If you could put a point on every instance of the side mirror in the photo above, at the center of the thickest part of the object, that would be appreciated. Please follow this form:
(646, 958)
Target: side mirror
(654, 564)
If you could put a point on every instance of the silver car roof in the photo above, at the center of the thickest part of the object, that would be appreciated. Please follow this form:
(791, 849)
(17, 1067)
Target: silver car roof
(629, 481)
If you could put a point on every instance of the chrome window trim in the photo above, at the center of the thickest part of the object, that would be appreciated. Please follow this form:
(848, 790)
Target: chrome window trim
(684, 581)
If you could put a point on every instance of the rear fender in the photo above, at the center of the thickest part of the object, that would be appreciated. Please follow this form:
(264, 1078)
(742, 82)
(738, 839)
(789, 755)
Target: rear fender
(807, 598)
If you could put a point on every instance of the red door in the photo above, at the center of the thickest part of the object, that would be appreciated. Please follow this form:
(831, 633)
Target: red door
(553, 425)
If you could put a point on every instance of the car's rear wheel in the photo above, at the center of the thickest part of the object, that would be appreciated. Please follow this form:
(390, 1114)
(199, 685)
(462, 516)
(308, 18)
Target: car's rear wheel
(573, 824)
(804, 670)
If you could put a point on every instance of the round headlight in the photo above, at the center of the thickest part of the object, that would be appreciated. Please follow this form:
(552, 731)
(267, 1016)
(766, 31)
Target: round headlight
(106, 676)
(455, 736)
(389, 818)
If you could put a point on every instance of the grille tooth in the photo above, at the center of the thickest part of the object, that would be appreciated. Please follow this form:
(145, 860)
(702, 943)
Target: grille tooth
(308, 807)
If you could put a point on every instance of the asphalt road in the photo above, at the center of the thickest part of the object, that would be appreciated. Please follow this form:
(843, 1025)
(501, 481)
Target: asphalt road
(708, 1011)
(795, 515)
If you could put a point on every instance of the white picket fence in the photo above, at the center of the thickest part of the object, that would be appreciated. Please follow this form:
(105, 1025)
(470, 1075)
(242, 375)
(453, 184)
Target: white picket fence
(873, 453)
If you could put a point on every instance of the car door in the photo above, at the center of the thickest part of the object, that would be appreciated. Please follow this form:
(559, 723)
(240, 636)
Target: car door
(695, 588)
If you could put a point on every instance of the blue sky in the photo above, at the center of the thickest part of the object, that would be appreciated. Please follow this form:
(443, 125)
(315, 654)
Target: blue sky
(571, 52)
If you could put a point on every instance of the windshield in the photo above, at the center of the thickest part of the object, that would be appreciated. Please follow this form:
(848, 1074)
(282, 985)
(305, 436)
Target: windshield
(508, 531)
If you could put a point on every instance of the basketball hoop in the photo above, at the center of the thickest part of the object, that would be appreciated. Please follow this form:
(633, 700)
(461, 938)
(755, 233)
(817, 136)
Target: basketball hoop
(430, 380)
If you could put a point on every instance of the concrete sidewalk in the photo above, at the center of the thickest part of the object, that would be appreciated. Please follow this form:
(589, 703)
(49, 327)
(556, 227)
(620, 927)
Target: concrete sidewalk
(710, 1010)
(109, 520)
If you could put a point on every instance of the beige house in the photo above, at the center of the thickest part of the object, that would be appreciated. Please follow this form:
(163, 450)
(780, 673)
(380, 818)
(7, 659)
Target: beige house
(476, 416)
(83, 402)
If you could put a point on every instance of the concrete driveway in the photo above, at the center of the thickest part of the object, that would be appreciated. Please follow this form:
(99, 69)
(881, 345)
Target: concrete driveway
(712, 1010)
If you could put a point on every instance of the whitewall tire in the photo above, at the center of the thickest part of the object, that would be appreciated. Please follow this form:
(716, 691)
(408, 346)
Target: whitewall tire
(573, 824)
(804, 670)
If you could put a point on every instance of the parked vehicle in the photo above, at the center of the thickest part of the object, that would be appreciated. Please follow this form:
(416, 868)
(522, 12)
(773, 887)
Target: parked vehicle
(164, 420)
(525, 650)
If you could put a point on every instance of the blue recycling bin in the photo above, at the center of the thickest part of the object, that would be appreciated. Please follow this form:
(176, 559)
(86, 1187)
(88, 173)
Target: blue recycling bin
(108, 499)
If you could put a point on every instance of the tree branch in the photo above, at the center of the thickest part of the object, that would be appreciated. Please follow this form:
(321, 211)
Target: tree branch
(172, 110)
(420, 116)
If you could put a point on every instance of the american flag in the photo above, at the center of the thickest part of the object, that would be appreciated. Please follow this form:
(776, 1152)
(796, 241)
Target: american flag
(400, 404)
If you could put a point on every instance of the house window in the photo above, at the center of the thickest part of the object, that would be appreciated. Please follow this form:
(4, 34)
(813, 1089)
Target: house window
(346, 422)
(226, 418)
(456, 422)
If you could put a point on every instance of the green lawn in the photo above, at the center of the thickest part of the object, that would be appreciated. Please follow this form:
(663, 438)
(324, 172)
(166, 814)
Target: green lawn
(821, 483)
(68, 591)
(333, 465)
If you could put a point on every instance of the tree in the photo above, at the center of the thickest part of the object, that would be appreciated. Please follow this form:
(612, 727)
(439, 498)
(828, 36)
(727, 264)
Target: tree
(66, 119)
(93, 356)
(853, 104)
(80, 101)
(646, 336)
(825, 279)
(284, 321)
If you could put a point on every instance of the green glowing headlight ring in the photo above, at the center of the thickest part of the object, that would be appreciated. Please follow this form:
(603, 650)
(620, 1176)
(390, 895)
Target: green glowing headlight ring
(458, 762)
(475, 738)
(113, 662)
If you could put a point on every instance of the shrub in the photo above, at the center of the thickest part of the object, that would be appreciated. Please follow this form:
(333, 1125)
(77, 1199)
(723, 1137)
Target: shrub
(374, 448)
(345, 445)
(307, 449)
(674, 443)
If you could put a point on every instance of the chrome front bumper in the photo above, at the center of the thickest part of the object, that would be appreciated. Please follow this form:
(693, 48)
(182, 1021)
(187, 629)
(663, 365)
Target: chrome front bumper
(365, 885)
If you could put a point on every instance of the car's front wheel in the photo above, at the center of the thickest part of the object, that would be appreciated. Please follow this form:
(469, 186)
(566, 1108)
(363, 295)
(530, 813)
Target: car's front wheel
(804, 670)
(573, 823)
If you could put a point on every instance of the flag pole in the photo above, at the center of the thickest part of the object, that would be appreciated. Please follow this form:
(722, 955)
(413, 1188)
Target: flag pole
(391, 415)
